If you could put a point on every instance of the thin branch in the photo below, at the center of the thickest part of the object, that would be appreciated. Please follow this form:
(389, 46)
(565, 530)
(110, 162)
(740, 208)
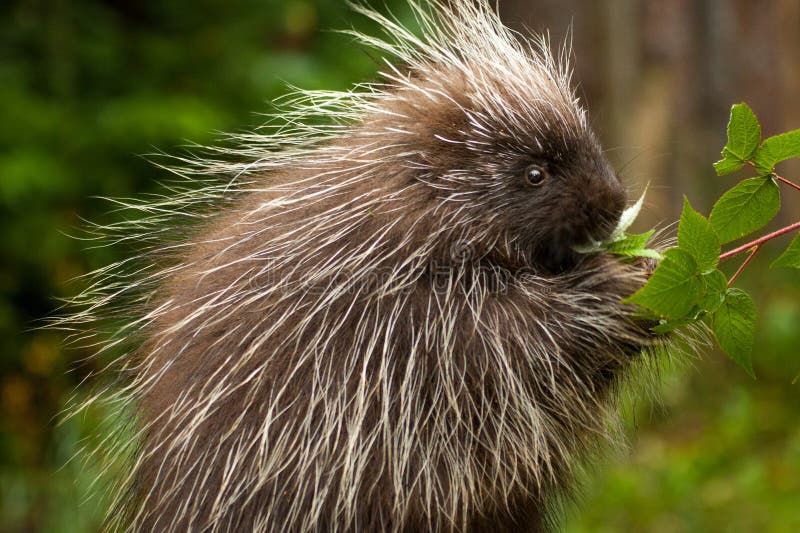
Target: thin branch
(778, 177)
(760, 240)
(787, 182)
(750, 257)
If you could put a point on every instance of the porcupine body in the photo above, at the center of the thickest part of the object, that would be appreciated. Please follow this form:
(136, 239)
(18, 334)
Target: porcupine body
(381, 324)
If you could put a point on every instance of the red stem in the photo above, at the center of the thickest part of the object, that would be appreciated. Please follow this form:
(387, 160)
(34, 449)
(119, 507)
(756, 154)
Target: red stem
(755, 245)
(787, 182)
(760, 240)
(779, 177)
(750, 257)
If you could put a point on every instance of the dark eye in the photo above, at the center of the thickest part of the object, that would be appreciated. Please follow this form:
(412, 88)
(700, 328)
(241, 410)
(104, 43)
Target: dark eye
(535, 175)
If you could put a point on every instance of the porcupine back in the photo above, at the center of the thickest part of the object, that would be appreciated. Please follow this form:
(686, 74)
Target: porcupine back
(358, 326)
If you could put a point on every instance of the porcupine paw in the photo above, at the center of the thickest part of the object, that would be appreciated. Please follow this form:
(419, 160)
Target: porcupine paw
(647, 265)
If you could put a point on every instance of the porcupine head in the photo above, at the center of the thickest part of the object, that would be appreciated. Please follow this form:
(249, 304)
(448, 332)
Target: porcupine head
(383, 324)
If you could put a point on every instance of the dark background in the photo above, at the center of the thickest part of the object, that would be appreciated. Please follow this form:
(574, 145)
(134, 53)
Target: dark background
(88, 87)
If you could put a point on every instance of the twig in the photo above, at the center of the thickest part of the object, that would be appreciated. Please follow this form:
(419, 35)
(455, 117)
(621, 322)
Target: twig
(750, 257)
(760, 240)
(787, 182)
(778, 177)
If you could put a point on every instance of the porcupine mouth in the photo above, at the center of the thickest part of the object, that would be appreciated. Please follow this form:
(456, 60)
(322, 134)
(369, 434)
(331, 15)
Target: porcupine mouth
(557, 259)
(562, 252)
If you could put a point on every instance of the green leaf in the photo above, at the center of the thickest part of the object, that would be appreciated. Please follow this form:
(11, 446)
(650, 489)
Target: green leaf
(697, 237)
(714, 284)
(619, 243)
(790, 257)
(744, 134)
(628, 216)
(745, 208)
(673, 289)
(633, 246)
(645, 252)
(631, 242)
(734, 327)
(776, 149)
(728, 165)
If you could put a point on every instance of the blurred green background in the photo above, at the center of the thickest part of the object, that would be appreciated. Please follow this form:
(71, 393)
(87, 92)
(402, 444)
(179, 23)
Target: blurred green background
(87, 87)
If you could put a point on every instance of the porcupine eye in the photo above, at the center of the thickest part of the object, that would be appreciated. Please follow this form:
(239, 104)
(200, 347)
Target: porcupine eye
(535, 175)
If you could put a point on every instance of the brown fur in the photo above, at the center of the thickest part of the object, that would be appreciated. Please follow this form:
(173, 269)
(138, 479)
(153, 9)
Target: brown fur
(429, 354)
(207, 349)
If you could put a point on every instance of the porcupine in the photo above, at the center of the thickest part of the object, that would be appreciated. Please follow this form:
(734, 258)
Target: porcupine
(378, 321)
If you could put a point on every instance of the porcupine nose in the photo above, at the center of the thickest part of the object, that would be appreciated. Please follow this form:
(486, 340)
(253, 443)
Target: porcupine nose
(605, 205)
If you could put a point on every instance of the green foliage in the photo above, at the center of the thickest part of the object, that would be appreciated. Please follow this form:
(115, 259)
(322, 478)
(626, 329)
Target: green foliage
(744, 134)
(790, 257)
(776, 149)
(697, 237)
(633, 246)
(674, 287)
(619, 243)
(745, 208)
(687, 286)
(627, 218)
(715, 284)
(732, 445)
(734, 327)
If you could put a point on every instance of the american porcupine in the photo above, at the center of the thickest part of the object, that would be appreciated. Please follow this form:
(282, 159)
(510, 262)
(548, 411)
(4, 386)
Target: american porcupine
(379, 322)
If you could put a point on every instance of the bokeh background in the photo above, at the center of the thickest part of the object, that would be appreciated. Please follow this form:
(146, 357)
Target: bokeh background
(87, 87)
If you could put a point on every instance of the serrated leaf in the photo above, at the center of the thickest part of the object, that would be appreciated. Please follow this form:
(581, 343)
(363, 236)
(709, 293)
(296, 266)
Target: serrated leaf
(776, 149)
(790, 258)
(633, 246)
(673, 289)
(644, 315)
(715, 285)
(728, 165)
(697, 237)
(645, 252)
(627, 218)
(744, 134)
(745, 208)
(638, 252)
(734, 327)
(631, 242)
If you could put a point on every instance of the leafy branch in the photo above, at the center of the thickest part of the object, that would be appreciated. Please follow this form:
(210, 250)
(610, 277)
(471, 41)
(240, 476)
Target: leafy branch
(687, 286)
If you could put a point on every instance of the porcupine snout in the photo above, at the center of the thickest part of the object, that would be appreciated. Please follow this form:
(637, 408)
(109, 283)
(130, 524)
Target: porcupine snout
(589, 217)
(604, 207)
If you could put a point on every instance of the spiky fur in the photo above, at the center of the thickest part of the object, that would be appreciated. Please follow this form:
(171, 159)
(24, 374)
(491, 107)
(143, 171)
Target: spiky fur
(346, 328)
